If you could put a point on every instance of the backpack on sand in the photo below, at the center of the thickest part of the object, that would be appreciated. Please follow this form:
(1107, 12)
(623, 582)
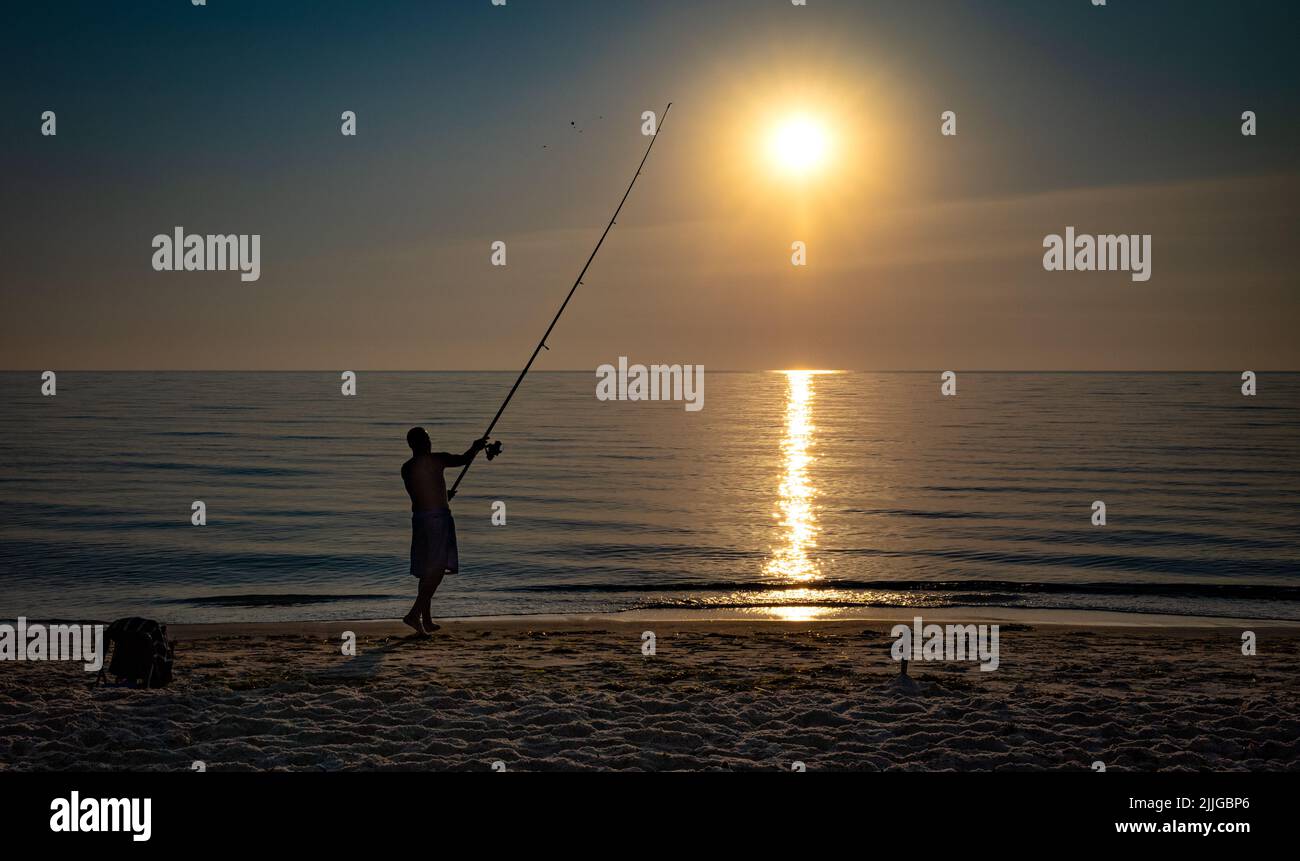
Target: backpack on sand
(142, 654)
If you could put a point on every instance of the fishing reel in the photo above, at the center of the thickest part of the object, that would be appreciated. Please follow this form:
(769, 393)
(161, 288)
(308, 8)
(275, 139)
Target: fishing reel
(492, 449)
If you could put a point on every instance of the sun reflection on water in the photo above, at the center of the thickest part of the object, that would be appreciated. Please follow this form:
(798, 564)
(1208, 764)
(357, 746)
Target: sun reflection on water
(791, 561)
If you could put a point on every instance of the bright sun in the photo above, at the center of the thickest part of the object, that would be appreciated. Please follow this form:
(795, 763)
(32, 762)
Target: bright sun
(798, 145)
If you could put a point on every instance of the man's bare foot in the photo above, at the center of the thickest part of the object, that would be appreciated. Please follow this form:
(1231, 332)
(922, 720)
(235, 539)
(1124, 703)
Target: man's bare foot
(414, 621)
(429, 625)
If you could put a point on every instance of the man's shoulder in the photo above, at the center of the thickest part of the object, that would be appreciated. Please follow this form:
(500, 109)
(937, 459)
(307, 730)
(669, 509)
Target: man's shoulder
(419, 459)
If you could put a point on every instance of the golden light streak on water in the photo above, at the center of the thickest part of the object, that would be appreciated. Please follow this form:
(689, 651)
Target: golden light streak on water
(797, 494)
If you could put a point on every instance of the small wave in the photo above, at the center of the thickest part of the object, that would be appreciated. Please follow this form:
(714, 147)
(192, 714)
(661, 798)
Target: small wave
(1242, 591)
(275, 599)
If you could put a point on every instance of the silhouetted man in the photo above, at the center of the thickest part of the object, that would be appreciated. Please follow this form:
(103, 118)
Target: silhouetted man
(433, 532)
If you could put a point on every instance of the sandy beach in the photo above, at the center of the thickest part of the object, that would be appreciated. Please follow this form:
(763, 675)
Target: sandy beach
(579, 694)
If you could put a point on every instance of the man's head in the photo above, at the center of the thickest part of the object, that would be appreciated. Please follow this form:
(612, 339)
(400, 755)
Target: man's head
(418, 440)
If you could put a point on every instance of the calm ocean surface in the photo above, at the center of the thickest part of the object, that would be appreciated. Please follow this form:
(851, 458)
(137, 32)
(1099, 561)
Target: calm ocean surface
(792, 492)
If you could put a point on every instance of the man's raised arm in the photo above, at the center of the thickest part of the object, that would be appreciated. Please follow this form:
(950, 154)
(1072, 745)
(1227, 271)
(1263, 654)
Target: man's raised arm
(449, 459)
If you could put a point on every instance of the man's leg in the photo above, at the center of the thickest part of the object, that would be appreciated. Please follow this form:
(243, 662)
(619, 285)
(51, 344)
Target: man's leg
(420, 609)
(413, 617)
(418, 545)
(428, 585)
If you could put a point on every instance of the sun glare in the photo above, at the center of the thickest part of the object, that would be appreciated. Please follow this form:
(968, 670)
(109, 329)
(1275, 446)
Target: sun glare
(798, 145)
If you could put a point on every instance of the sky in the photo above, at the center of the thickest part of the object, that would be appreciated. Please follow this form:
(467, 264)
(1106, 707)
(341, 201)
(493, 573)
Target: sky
(523, 123)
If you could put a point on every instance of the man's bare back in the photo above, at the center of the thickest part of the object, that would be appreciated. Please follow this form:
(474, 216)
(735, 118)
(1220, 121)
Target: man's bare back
(424, 480)
(422, 474)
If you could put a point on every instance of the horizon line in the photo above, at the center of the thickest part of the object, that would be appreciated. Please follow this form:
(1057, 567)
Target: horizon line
(592, 371)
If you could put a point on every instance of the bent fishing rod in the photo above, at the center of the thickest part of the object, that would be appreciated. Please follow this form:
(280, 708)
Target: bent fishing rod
(494, 449)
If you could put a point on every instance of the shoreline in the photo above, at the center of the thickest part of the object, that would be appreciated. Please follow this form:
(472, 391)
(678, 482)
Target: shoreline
(776, 615)
(1065, 620)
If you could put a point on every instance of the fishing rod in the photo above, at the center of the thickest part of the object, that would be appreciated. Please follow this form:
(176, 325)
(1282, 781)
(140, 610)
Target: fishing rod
(494, 449)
